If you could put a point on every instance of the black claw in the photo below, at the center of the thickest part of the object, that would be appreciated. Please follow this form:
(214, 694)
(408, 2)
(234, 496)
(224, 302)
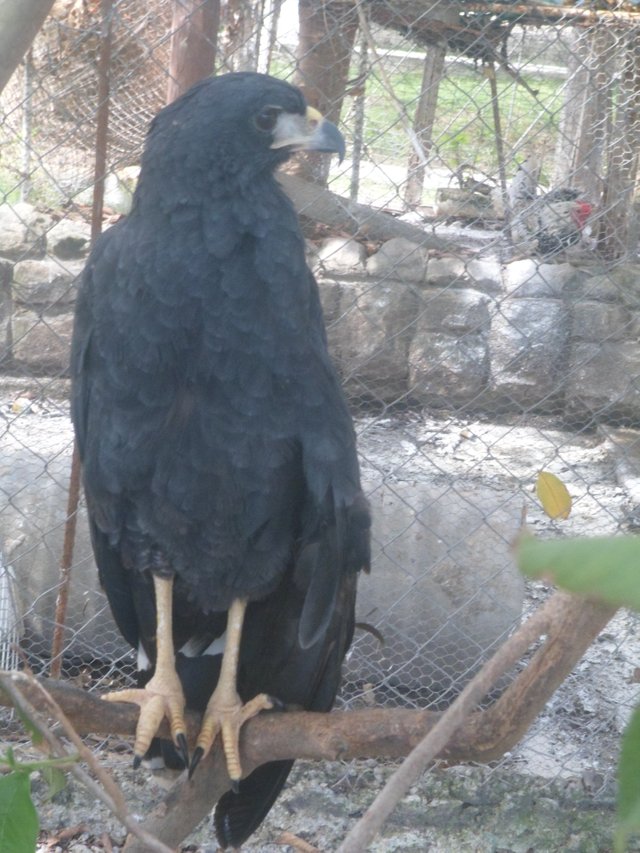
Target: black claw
(235, 786)
(195, 760)
(182, 748)
(278, 705)
(137, 761)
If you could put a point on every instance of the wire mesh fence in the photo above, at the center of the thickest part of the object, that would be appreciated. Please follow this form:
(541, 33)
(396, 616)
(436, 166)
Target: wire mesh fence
(485, 331)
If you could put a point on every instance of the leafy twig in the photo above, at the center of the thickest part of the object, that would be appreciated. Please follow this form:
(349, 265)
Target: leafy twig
(107, 791)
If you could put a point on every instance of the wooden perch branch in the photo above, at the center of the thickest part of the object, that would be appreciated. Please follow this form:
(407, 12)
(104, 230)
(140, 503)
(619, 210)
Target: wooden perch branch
(358, 219)
(527, 14)
(570, 625)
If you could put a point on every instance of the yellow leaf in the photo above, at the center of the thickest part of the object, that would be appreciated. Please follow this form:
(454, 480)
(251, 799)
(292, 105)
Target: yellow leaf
(19, 405)
(553, 495)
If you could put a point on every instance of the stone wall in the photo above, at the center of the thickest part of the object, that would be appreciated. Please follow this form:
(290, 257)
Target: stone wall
(40, 260)
(478, 334)
(403, 325)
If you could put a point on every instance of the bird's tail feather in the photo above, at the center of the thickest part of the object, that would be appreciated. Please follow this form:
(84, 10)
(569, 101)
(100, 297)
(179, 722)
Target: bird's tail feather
(238, 815)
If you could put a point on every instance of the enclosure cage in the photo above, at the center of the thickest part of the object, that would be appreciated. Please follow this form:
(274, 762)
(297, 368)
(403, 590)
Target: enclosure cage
(477, 259)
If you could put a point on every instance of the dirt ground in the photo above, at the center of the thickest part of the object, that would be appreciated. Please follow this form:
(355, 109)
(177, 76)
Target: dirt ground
(460, 809)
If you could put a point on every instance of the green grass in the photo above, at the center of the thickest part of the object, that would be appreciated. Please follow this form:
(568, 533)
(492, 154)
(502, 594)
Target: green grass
(463, 132)
(464, 128)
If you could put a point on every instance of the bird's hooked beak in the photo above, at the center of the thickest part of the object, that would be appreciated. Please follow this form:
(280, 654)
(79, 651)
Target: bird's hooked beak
(310, 132)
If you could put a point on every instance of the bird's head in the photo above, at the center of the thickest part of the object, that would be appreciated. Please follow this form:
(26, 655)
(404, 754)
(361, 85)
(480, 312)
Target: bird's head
(237, 124)
(582, 210)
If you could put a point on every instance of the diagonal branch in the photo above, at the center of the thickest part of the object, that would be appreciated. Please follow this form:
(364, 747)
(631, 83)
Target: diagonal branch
(354, 218)
(546, 620)
(20, 21)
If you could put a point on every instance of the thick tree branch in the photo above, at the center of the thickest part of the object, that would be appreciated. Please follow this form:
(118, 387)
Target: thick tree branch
(528, 15)
(20, 21)
(570, 625)
(360, 220)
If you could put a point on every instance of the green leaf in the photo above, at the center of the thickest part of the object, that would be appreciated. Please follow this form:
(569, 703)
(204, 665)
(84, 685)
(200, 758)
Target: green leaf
(605, 567)
(18, 818)
(629, 783)
(56, 780)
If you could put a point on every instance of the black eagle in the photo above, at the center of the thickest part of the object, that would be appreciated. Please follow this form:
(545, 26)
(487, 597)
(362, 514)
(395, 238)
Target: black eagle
(218, 454)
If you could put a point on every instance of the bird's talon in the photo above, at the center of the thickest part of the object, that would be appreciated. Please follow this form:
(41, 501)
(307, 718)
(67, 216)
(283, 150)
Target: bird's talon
(198, 753)
(182, 748)
(235, 786)
(137, 761)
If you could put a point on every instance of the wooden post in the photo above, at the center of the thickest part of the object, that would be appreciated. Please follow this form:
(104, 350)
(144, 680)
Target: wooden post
(99, 175)
(325, 46)
(497, 129)
(194, 32)
(614, 238)
(424, 119)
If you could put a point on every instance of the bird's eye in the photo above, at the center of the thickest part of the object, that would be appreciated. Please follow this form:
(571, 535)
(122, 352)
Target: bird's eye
(267, 118)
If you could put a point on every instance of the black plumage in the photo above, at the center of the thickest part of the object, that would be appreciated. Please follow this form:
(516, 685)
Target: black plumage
(216, 443)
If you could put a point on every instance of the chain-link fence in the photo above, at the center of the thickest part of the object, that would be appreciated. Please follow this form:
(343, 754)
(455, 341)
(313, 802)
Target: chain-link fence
(486, 326)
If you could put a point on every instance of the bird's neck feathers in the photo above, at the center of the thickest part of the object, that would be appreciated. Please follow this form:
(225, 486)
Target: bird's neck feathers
(225, 209)
(219, 185)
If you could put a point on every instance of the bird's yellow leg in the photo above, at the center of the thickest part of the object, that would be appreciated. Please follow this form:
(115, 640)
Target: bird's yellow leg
(225, 713)
(162, 696)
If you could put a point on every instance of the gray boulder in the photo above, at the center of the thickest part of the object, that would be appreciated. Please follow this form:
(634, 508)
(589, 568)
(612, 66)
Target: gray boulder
(485, 275)
(400, 259)
(627, 279)
(69, 238)
(528, 278)
(447, 271)
(340, 256)
(22, 231)
(598, 321)
(445, 370)
(602, 380)
(372, 337)
(458, 312)
(528, 342)
(448, 357)
(41, 344)
(48, 282)
(598, 287)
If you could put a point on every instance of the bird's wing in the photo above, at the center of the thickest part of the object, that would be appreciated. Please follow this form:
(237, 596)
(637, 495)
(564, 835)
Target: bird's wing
(295, 640)
(86, 404)
(334, 516)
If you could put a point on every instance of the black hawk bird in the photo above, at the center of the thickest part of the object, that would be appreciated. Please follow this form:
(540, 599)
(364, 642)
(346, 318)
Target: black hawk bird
(218, 454)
